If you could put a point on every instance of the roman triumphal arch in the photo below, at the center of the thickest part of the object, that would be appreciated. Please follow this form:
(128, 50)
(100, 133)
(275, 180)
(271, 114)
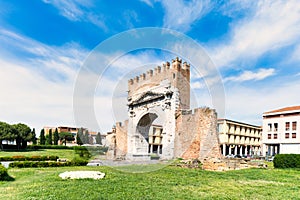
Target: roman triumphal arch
(160, 122)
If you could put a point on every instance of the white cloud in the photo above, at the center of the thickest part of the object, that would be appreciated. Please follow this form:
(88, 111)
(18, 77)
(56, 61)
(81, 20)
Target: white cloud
(28, 97)
(130, 17)
(63, 60)
(197, 85)
(247, 103)
(273, 25)
(181, 14)
(36, 80)
(78, 10)
(249, 75)
(148, 2)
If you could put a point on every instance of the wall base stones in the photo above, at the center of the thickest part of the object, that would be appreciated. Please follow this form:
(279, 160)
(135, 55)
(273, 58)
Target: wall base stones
(230, 164)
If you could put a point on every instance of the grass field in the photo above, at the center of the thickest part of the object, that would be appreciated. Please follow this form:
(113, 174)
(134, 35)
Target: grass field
(65, 153)
(167, 183)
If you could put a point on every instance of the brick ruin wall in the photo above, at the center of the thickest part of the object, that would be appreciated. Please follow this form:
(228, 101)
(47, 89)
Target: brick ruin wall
(121, 139)
(196, 134)
(117, 148)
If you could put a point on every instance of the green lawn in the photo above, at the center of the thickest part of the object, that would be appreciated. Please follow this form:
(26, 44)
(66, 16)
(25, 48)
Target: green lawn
(167, 183)
(61, 153)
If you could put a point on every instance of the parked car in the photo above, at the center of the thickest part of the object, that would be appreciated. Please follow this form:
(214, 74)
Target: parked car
(230, 156)
(270, 159)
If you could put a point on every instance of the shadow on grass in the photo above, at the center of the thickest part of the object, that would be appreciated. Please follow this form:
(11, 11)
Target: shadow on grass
(8, 178)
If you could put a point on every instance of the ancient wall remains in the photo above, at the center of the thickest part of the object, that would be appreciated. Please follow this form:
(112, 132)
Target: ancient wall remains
(196, 134)
(121, 139)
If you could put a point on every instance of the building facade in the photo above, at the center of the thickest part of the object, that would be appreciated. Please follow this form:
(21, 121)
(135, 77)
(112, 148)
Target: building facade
(238, 138)
(281, 131)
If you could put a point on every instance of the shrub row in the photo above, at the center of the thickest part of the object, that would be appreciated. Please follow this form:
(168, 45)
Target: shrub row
(36, 147)
(76, 148)
(88, 151)
(287, 161)
(28, 158)
(3, 173)
(26, 164)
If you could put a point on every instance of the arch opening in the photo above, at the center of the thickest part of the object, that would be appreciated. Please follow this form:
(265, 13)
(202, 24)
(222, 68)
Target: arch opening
(150, 129)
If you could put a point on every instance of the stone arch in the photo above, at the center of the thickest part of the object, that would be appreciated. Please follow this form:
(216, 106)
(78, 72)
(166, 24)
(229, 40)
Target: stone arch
(144, 124)
(149, 130)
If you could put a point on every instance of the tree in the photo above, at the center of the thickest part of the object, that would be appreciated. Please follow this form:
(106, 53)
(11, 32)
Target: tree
(49, 138)
(33, 136)
(98, 139)
(42, 137)
(56, 137)
(23, 135)
(86, 137)
(66, 136)
(79, 137)
(7, 132)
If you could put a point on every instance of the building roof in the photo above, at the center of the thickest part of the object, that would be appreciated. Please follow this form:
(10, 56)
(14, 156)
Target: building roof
(285, 109)
(239, 123)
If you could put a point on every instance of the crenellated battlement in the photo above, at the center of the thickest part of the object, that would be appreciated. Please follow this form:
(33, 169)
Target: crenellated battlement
(166, 68)
(177, 73)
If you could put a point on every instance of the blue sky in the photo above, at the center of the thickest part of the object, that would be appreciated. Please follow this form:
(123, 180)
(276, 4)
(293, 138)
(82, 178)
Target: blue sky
(43, 43)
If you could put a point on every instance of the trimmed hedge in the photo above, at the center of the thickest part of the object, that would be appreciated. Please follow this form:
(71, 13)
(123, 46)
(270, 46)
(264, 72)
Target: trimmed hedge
(3, 173)
(26, 164)
(287, 161)
(29, 158)
(36, 147)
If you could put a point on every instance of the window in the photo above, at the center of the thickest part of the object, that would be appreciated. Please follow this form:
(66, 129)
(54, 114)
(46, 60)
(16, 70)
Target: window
(269, 136)
(275, 136)
(294, 126)
(275, 127)
(293, 135)
(287, 126)
(269, 127)
(287, 135)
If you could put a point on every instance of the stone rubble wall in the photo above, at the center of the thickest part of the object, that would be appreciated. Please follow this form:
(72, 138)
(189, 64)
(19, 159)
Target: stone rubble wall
(121, 139)
(196, 134)
(230, 164)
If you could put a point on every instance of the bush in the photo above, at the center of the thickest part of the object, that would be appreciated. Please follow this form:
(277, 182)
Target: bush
(36, 147)
(3, 173)
(83, 152)
(28, 158)
(88, 151)
(287, 161)
(26, 164)
(79, 162)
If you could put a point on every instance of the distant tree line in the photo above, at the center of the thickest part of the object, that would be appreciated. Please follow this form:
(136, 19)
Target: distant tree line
(20, 133)
(82, 137)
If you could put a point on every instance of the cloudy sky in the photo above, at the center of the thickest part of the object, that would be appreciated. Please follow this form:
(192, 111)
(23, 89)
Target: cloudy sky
(254, 45)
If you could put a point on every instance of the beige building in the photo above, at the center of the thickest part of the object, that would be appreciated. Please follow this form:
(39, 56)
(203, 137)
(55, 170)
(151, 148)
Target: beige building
(238, 138)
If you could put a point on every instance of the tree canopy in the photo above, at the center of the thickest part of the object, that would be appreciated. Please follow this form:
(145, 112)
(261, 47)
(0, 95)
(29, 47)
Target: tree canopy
(98, 138)
(79, 136)
(56, 137)
(21, 133)
(66, 136)
(42, 137)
